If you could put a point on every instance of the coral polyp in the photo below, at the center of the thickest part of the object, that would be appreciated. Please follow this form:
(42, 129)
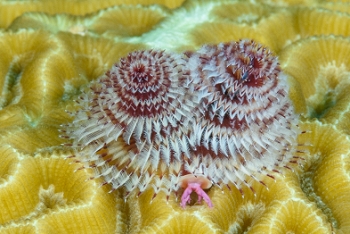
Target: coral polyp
(220, 116)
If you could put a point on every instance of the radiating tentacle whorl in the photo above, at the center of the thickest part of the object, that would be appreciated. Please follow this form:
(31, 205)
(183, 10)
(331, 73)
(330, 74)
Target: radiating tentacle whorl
(148, 100)
(219, 115)
(249, 128)
(144, 96)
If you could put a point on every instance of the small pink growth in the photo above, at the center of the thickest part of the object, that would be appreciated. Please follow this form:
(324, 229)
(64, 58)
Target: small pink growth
(196, 184)
(195, 187)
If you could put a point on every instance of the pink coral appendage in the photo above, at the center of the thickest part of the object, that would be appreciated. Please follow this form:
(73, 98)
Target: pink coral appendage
(195, 187)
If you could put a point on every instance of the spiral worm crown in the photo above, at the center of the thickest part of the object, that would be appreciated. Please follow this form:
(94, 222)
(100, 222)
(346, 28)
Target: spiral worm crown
(221, 114)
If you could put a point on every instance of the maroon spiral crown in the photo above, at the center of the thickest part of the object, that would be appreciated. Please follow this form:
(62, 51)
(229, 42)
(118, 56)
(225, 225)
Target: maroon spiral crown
(220, 115)
(149, 100)
(249, 128)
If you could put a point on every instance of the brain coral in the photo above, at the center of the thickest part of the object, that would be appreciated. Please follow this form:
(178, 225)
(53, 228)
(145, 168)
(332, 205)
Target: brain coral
(51, 50)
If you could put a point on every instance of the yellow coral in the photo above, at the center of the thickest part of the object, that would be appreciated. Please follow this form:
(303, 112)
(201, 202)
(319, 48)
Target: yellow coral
(324, 72)
(43, 193)
(49, 55)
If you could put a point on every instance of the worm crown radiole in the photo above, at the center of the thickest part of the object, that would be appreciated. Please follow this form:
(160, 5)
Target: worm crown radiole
(220, 114)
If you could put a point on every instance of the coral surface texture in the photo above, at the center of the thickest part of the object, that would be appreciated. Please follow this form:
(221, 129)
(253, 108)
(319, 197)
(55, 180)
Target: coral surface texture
(122, 116)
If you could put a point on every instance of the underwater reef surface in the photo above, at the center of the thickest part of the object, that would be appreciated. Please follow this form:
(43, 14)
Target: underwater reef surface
(51, 50)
